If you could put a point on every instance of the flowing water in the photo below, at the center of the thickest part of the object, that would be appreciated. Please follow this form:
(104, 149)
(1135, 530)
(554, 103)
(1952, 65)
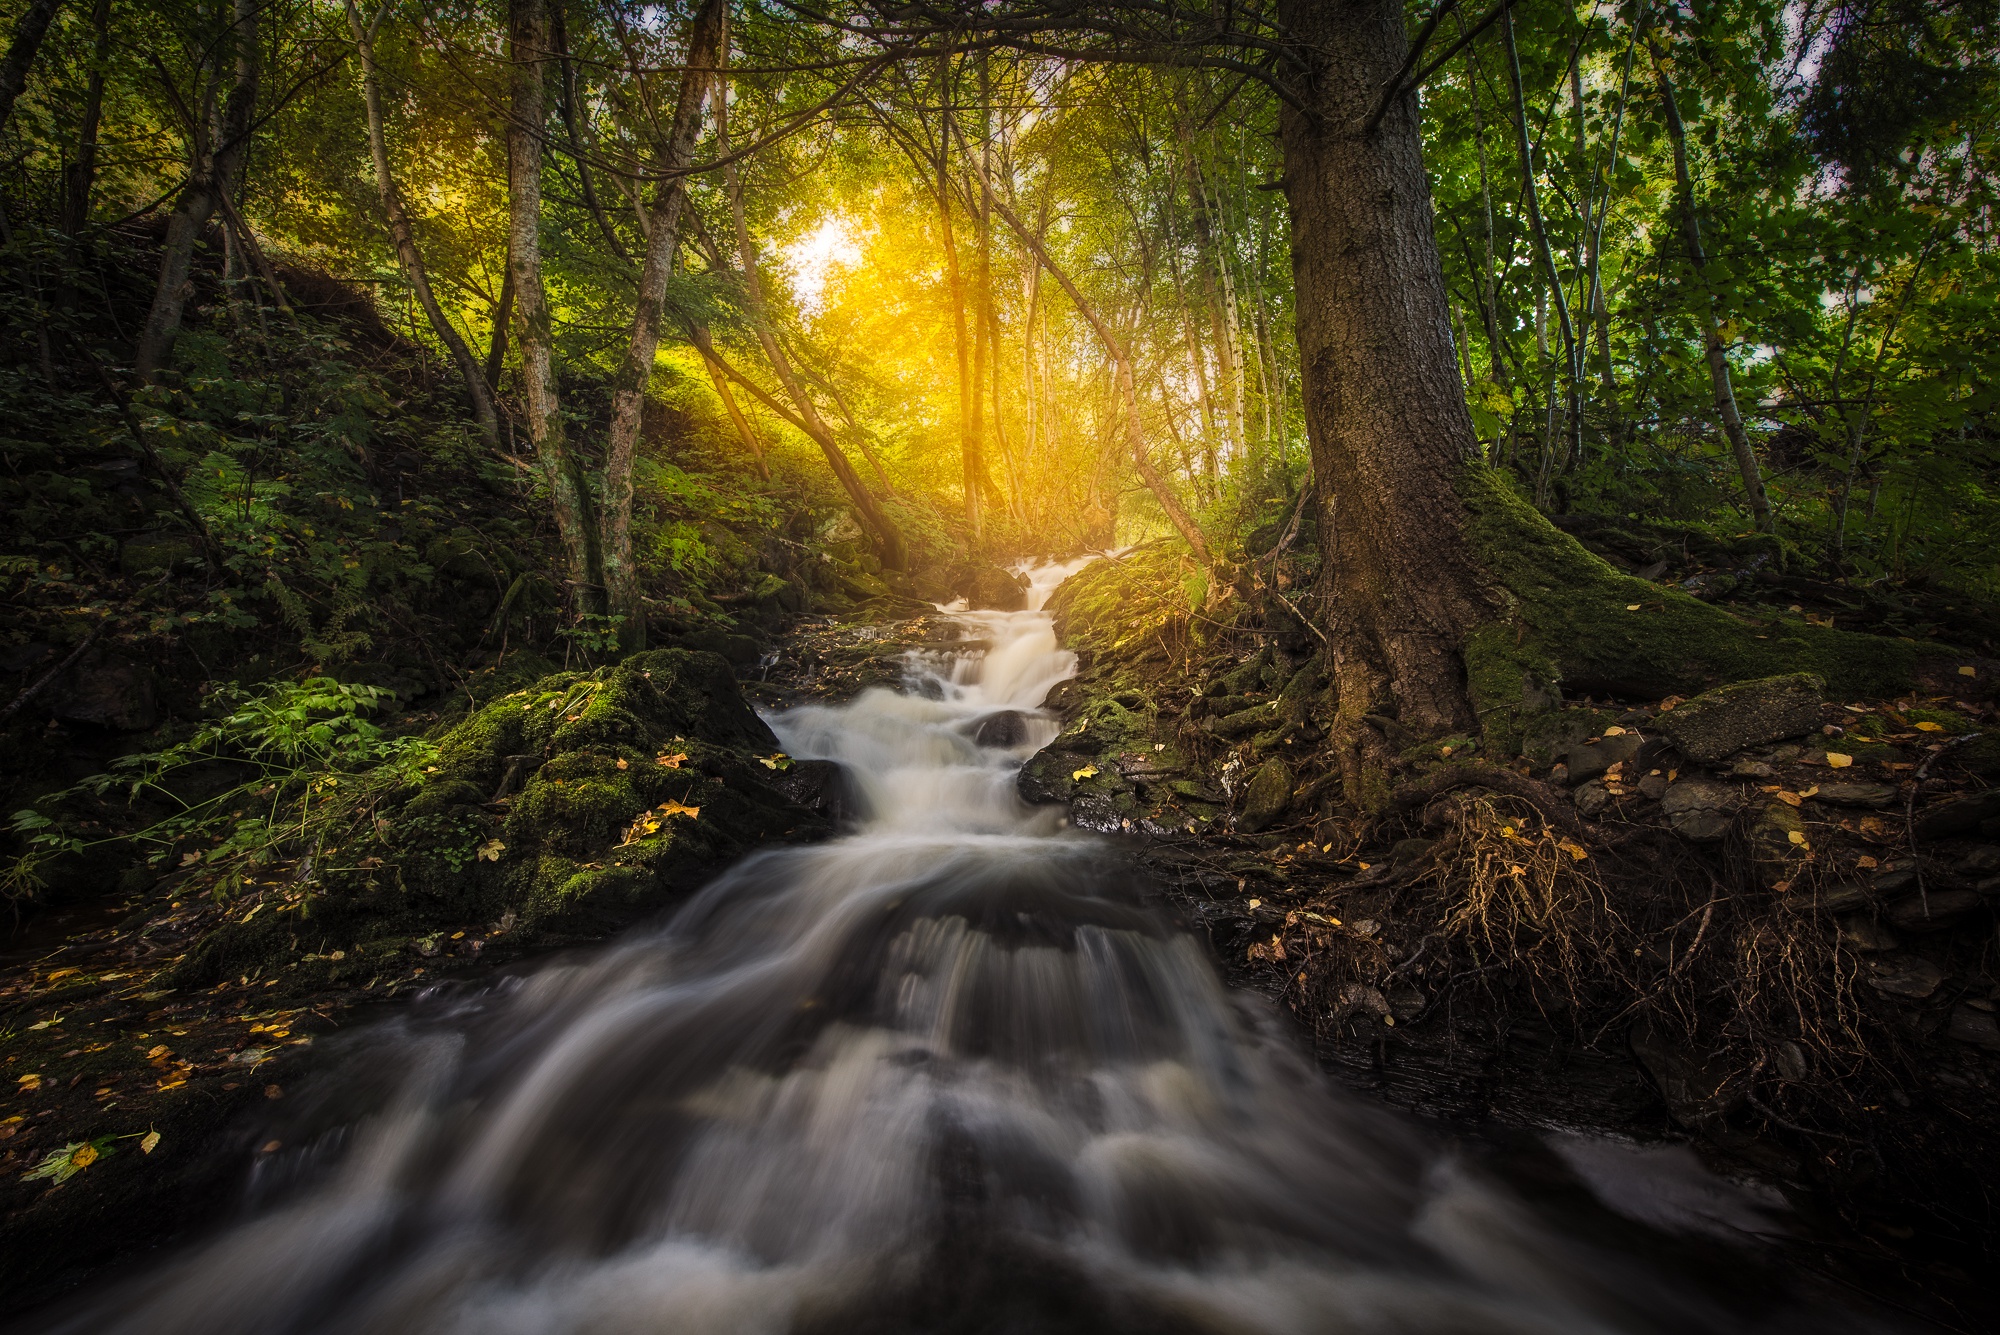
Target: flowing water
(946, 1073)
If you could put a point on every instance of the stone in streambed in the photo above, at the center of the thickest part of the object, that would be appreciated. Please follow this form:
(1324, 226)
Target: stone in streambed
(1723, 721)
(1590, 760)
(1700, 810)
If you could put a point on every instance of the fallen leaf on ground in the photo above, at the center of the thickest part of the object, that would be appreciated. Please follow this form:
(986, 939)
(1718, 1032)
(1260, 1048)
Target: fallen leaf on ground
(671, 762)
(491, 850)
(1838, 761)
(676, 809)
(150, 1143)
(1083, 773)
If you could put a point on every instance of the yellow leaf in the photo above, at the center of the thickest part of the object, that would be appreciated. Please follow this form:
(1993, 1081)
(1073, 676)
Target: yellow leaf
(1363, 865)
(671, 762)
(1256, 903)
(1633, 607)
(1797, 837)
(1838, 761)
(29, 1081)
(1790, 799)
(150, 1143)
(1968, 671)
(491, 850)
(622, 764)
(1083, 773)
(676, 809)
(1928, 726)
(1809, 792)
(1576, 851)
(1614, 732)
(1866, 863)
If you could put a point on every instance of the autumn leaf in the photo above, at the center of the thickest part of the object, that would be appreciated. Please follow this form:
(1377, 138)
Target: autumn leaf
(150, 1143)
(671, 762)
(1838, 761)
(1927, 726)
(1789, 799)
(1576, 851)
(1083, 773)
(491, 850)
(1796, 837)
(622, 764)
(60, 1165)
(676, 809)
(29, 1082)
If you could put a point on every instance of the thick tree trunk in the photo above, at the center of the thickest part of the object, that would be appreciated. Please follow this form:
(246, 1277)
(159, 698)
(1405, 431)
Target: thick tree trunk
(528, 41)
(403, 236)
(1390, 433)
(29, 30)
(635, 372)
(214, 170)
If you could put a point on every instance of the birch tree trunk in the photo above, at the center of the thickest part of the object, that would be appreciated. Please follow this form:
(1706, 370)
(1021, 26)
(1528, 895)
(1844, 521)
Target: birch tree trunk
(403, 236)
(529, 49)
(1714, 350)
(707, 38)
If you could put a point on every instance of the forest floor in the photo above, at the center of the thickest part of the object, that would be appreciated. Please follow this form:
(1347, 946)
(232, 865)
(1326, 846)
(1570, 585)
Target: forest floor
(1613, 980)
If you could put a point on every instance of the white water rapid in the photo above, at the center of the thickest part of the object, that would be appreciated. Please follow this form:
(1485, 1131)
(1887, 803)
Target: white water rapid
(946, 1073)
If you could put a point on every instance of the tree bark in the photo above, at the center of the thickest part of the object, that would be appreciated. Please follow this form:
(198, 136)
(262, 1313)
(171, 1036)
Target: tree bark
(1714, 350)
(29, 31)
(214, 170)
(736, 417)
(706, 37)
(503, 317)
(401, 233)
(1389, 429)
(528, 50)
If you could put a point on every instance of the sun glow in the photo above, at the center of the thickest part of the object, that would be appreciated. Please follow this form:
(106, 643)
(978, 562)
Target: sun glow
(814, 257)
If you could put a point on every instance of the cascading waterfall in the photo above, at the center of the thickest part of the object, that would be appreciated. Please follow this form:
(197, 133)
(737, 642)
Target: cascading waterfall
(946, 1073)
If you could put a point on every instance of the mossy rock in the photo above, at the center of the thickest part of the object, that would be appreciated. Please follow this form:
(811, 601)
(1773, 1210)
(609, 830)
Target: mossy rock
(563, 810)
(1572, 621)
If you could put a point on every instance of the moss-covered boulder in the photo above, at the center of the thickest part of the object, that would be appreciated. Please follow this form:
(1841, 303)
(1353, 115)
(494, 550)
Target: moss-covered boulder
(1724, 721)
(552, 814)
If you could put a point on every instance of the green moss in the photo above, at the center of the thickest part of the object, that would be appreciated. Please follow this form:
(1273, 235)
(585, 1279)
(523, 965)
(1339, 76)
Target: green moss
(527, 811)
(1574, 621)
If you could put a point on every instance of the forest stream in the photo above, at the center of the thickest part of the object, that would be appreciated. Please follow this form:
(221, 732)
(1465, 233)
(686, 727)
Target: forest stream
(953, 1070)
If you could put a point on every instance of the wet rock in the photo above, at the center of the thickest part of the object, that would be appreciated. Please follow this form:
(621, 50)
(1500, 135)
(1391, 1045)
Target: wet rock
(1046, 777)
(1981, 861)
(1962, 816)
(1896, 876)
(112, 694)
(739, 650)
(1845, 898)
(1726, 720)
(1906, 976)
(1977, 1027)
(991, 587)
(1590, 760)
(1864, 933)
(1752, 769)
(1875, 795)
(1700, 810)
(820, 786)
(1008, 728)
(1777, 842)
(1592, 797)
(1653, 787)
(1934, 910)
(1269, 793)
(1244, 722)
(1697, 1085)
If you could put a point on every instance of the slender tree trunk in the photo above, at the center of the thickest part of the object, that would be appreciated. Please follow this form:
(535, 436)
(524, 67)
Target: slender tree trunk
(215, 166)
(736, 417)
(29, 30)
(403, 235)
(1716, 353)
(888, 538)
(1489, 308)
(706, 39)
(1390, 433)
(503, 318)
(529, 49)
(1124, 387)
(578, 147)
(80, 176)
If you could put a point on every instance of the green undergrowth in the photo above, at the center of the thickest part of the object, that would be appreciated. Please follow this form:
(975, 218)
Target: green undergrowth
(1573, 623)
(550, 814)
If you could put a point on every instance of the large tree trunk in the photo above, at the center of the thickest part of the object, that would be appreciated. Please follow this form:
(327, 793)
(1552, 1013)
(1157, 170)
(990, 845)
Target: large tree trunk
(29, 31)
(404, 237)
(528, 40)
(214, 171)
(635, 372)
(1390, 433)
